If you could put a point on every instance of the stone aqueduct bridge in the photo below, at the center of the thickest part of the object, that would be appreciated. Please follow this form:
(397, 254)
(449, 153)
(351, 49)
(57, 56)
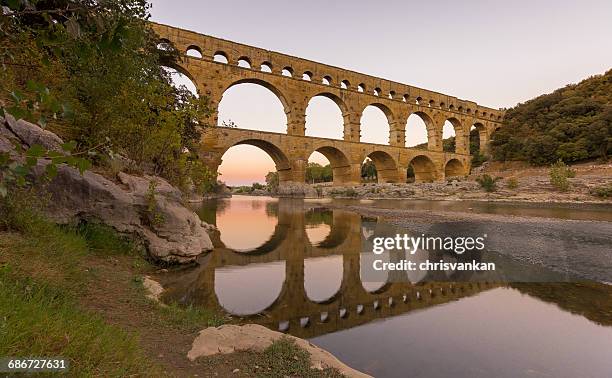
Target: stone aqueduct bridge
(352, 305)
(295, 81)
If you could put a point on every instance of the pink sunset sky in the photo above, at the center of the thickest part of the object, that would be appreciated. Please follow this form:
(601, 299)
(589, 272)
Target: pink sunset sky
(495, 53)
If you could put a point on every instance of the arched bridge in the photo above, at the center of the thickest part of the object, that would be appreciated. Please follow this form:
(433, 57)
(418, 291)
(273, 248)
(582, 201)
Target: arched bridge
(295, 81)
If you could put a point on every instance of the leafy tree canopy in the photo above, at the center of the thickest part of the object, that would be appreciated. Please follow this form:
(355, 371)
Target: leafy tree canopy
(571, 124)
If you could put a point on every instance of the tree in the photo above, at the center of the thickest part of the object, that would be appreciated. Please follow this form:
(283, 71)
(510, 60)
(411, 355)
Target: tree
(272, 181)
(101, 61)
(573, 123)
(368, 170)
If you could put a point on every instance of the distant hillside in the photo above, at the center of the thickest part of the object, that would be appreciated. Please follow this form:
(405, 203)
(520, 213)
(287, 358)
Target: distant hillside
(573, 123)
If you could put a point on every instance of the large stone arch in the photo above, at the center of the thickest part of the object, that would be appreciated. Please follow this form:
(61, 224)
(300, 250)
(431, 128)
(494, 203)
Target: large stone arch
(266, 84)
(384, 108)
(454, 168)
(462, 137)
(342, 106)
(482, 136)
(424, 169)
(434, 136)
(281, 161)
(386, 166)
(339, 162)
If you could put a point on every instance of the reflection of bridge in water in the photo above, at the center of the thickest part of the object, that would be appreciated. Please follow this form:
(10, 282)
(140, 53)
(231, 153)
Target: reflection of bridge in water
(293, 310)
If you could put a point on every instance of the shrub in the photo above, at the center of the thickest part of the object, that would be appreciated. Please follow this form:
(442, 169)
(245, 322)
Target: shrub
(602, 191)
(559, 174)
(478, 159)
(488, 183)
(512, 183)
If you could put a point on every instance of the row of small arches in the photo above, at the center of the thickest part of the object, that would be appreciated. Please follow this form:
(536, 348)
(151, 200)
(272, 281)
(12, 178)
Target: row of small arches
(266, 66)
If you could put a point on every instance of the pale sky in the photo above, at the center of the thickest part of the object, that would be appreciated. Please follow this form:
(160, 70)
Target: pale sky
(497, 53)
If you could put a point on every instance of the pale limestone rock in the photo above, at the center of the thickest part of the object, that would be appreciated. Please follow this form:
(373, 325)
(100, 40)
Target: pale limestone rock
(232, 338)
(153, 288)
(180, 237)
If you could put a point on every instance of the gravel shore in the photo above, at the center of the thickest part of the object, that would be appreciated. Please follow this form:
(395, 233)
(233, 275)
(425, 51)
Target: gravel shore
(577, 248)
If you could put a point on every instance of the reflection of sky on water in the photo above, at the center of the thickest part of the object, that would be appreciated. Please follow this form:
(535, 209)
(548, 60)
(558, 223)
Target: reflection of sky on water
(322, 277)
(245, 224)
(316, 234)
(245, 290)
(498, 333)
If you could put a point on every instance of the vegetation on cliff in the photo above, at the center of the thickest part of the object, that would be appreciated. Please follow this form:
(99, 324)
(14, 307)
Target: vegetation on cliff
(571, 124)
(92, 72)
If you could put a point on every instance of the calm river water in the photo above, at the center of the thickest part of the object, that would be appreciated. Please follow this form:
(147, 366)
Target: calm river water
(299, 267)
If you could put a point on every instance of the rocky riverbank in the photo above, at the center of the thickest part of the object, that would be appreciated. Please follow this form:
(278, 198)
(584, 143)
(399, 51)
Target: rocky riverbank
(572, 248)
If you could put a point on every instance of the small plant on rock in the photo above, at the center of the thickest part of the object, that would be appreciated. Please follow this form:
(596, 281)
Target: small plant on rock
(154, 217)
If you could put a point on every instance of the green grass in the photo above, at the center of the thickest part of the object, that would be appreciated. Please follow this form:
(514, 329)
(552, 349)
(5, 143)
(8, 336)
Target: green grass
(190, 318)
(45, 272)
(38, 320)
(285, 359)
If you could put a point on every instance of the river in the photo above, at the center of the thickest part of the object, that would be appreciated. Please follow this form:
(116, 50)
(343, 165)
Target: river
(304, 267)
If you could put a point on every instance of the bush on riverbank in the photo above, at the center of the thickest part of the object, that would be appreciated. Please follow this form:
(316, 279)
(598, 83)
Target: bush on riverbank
(602, 191)
(559, 174)
(488, 183)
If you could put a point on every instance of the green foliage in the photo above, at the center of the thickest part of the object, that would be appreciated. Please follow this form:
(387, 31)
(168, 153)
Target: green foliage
(101, 62)
(190, 318)
(203, 178)
(604, 191)
(272, 182)
(283, 358)
(572, 124)
(559, 174)
(512, 183)
(478, 159)
(154, 217)
(317, 173)
(39, 320)
(368, 170)
(488, 183)
(448, 144)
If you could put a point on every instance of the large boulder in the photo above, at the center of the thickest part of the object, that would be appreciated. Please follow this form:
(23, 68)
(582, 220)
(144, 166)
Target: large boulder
(152, 213)
(170, 231)
(231, 338)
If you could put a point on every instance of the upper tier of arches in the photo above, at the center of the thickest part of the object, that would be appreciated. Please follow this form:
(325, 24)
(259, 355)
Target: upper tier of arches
(317, 73)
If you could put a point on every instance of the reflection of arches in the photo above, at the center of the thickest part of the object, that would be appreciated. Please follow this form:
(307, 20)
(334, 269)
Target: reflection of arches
(386, 167)
(424, 169)
(325, 116)
(259, 286)
(341, 168)
(373, 281)
(454, 168)
(323, 277)
(340, 226)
